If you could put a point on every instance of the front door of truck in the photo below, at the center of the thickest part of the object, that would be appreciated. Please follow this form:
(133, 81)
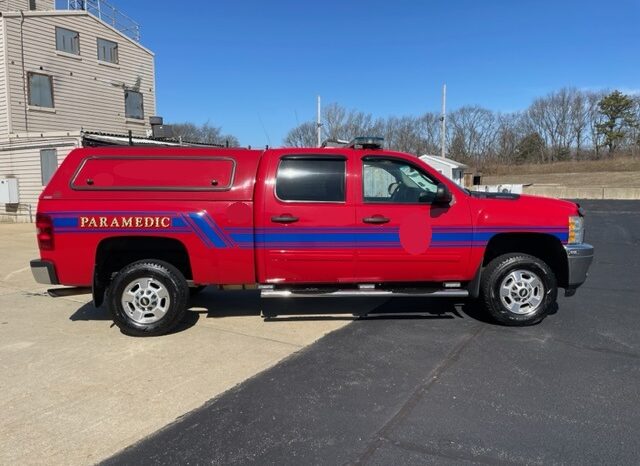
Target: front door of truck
(408, 237)
(305, 234)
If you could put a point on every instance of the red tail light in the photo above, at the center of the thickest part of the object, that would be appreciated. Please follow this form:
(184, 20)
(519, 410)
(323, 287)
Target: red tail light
(44, 224)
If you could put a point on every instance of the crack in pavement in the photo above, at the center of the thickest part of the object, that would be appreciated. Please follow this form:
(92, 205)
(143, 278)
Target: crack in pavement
(458, 456)
(15, 272)
(418, 394)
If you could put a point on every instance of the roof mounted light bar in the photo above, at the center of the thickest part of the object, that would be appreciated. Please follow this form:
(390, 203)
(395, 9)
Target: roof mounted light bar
(366, 142)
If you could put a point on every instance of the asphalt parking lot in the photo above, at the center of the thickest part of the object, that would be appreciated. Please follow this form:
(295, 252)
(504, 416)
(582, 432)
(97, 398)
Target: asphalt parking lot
(444, 386)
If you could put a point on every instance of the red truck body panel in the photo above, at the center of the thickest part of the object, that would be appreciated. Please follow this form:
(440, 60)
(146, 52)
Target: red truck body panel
(221, 205)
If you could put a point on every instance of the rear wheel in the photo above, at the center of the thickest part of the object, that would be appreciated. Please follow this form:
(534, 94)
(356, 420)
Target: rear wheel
(518, 289)
(148, 298)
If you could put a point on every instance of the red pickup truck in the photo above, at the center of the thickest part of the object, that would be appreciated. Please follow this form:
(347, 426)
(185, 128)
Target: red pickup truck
(144, 227)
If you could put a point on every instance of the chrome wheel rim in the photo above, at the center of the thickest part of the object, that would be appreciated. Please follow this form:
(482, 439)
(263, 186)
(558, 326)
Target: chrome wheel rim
(521, 292)
(145, 300)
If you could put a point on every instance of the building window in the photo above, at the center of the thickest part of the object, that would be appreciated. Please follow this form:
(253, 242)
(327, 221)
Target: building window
(311, 180)
(107, 51)
(32, 5)
(40, 90)
(48, 164)
(133, 105)
(67, 41)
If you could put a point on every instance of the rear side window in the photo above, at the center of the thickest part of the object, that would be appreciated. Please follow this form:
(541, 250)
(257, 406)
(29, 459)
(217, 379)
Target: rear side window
(311, 180)
(128, 173)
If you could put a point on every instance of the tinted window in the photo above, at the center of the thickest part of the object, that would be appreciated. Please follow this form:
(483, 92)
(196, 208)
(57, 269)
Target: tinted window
(133, 105)
(48, 164)
(67, 41)
(40, 90)
(107, 51)
(397, 182)
(318, 180)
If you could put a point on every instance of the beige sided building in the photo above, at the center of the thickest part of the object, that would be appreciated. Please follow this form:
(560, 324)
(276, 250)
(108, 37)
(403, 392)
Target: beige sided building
(63, 73)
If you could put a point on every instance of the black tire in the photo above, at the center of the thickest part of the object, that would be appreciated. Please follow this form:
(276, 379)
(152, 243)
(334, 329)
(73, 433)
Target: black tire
(523, 312)
(171, 298)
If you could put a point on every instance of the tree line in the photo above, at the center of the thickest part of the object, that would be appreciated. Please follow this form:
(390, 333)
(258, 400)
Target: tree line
(567, 124)
(204, 134)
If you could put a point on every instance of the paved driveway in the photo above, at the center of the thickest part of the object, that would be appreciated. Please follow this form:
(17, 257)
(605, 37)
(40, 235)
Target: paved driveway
(74, 390)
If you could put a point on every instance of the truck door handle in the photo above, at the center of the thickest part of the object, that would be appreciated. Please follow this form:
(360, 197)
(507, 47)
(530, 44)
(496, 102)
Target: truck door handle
(376, 219)
(285, 218)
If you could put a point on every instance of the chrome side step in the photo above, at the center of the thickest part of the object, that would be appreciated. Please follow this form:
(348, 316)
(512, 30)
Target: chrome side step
(267, 293)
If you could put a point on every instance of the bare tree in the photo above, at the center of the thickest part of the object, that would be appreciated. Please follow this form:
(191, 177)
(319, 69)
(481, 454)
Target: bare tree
(473, 133)
(509, 134)
(340, 123)
(337, 123)
(303, 135)
(430, 127)
(205, 134)
(562, 124)
(593, 120)
(556, 118)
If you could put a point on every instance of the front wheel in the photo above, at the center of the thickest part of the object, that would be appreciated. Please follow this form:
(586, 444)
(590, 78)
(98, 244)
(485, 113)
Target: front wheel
(518, 289)
(148, 298)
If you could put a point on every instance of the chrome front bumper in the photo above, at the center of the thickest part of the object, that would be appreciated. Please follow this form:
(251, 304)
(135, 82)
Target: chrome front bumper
(579, 258)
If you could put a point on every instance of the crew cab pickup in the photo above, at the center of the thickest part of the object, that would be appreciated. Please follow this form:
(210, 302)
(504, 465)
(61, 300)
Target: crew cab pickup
(147, 227)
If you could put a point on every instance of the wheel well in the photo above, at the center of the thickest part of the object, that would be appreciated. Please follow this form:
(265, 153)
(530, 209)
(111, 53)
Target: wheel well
(115, 253)
(543, 246)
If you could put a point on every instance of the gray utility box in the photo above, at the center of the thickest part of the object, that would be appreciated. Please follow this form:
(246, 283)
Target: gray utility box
(9, 191)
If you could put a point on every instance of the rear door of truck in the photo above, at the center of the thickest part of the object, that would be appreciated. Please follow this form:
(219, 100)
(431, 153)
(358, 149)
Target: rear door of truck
(305, 232)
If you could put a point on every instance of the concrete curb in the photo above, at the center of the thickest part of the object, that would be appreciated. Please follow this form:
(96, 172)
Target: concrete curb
(578, 192)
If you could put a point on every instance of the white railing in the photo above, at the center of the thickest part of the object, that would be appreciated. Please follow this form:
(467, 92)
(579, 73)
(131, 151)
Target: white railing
(109, 14)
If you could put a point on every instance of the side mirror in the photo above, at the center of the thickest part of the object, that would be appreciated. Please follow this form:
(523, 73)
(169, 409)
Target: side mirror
(426, 197)
(443, 195)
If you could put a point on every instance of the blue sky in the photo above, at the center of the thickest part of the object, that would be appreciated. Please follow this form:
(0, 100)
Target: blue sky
(255, 67)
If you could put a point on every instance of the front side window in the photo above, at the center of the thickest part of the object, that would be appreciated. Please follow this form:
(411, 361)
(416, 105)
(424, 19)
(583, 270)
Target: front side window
(48, 164)
(107, 51)
(395, 181)
(133, 105)
(311, 180)
(40, 90)
(67, 41)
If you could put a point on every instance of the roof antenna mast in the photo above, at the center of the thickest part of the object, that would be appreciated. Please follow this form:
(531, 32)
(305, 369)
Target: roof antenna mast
(443, 120)
(319, 125)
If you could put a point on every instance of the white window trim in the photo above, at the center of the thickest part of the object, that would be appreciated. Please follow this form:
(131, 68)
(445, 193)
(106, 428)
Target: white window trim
(109, 64)
(68, 55)
(135, 120)
(36, 108)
